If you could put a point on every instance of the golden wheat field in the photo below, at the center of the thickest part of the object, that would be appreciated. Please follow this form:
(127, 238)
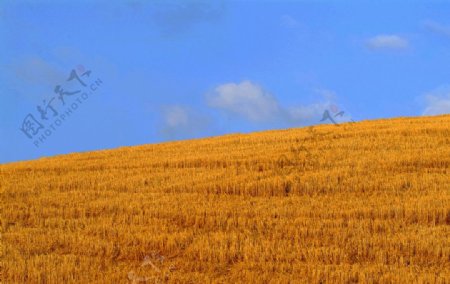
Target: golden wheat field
(365, 202)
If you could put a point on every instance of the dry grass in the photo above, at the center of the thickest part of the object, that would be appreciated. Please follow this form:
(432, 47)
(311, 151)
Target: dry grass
(366, 202)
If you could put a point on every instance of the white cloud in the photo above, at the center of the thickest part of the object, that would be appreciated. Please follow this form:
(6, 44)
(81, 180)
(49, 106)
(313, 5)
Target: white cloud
(437, 28)
(181, 121)
(387, 42)
(289, 22)
(252, 102)
(437, 102)
(245, 99)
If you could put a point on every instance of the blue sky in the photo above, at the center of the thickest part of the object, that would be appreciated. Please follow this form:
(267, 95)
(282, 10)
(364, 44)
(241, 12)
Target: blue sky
(157, 71)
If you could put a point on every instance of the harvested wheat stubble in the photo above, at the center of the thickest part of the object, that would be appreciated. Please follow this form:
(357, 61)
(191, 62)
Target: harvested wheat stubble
(367, 202)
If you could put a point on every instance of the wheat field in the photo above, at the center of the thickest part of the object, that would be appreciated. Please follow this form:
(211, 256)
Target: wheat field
(365, 202)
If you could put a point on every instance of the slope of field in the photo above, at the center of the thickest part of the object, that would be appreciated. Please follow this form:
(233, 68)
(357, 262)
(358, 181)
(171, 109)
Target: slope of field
(362, 202)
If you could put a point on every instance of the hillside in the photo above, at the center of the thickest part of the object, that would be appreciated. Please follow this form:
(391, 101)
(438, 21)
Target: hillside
(360, 202)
